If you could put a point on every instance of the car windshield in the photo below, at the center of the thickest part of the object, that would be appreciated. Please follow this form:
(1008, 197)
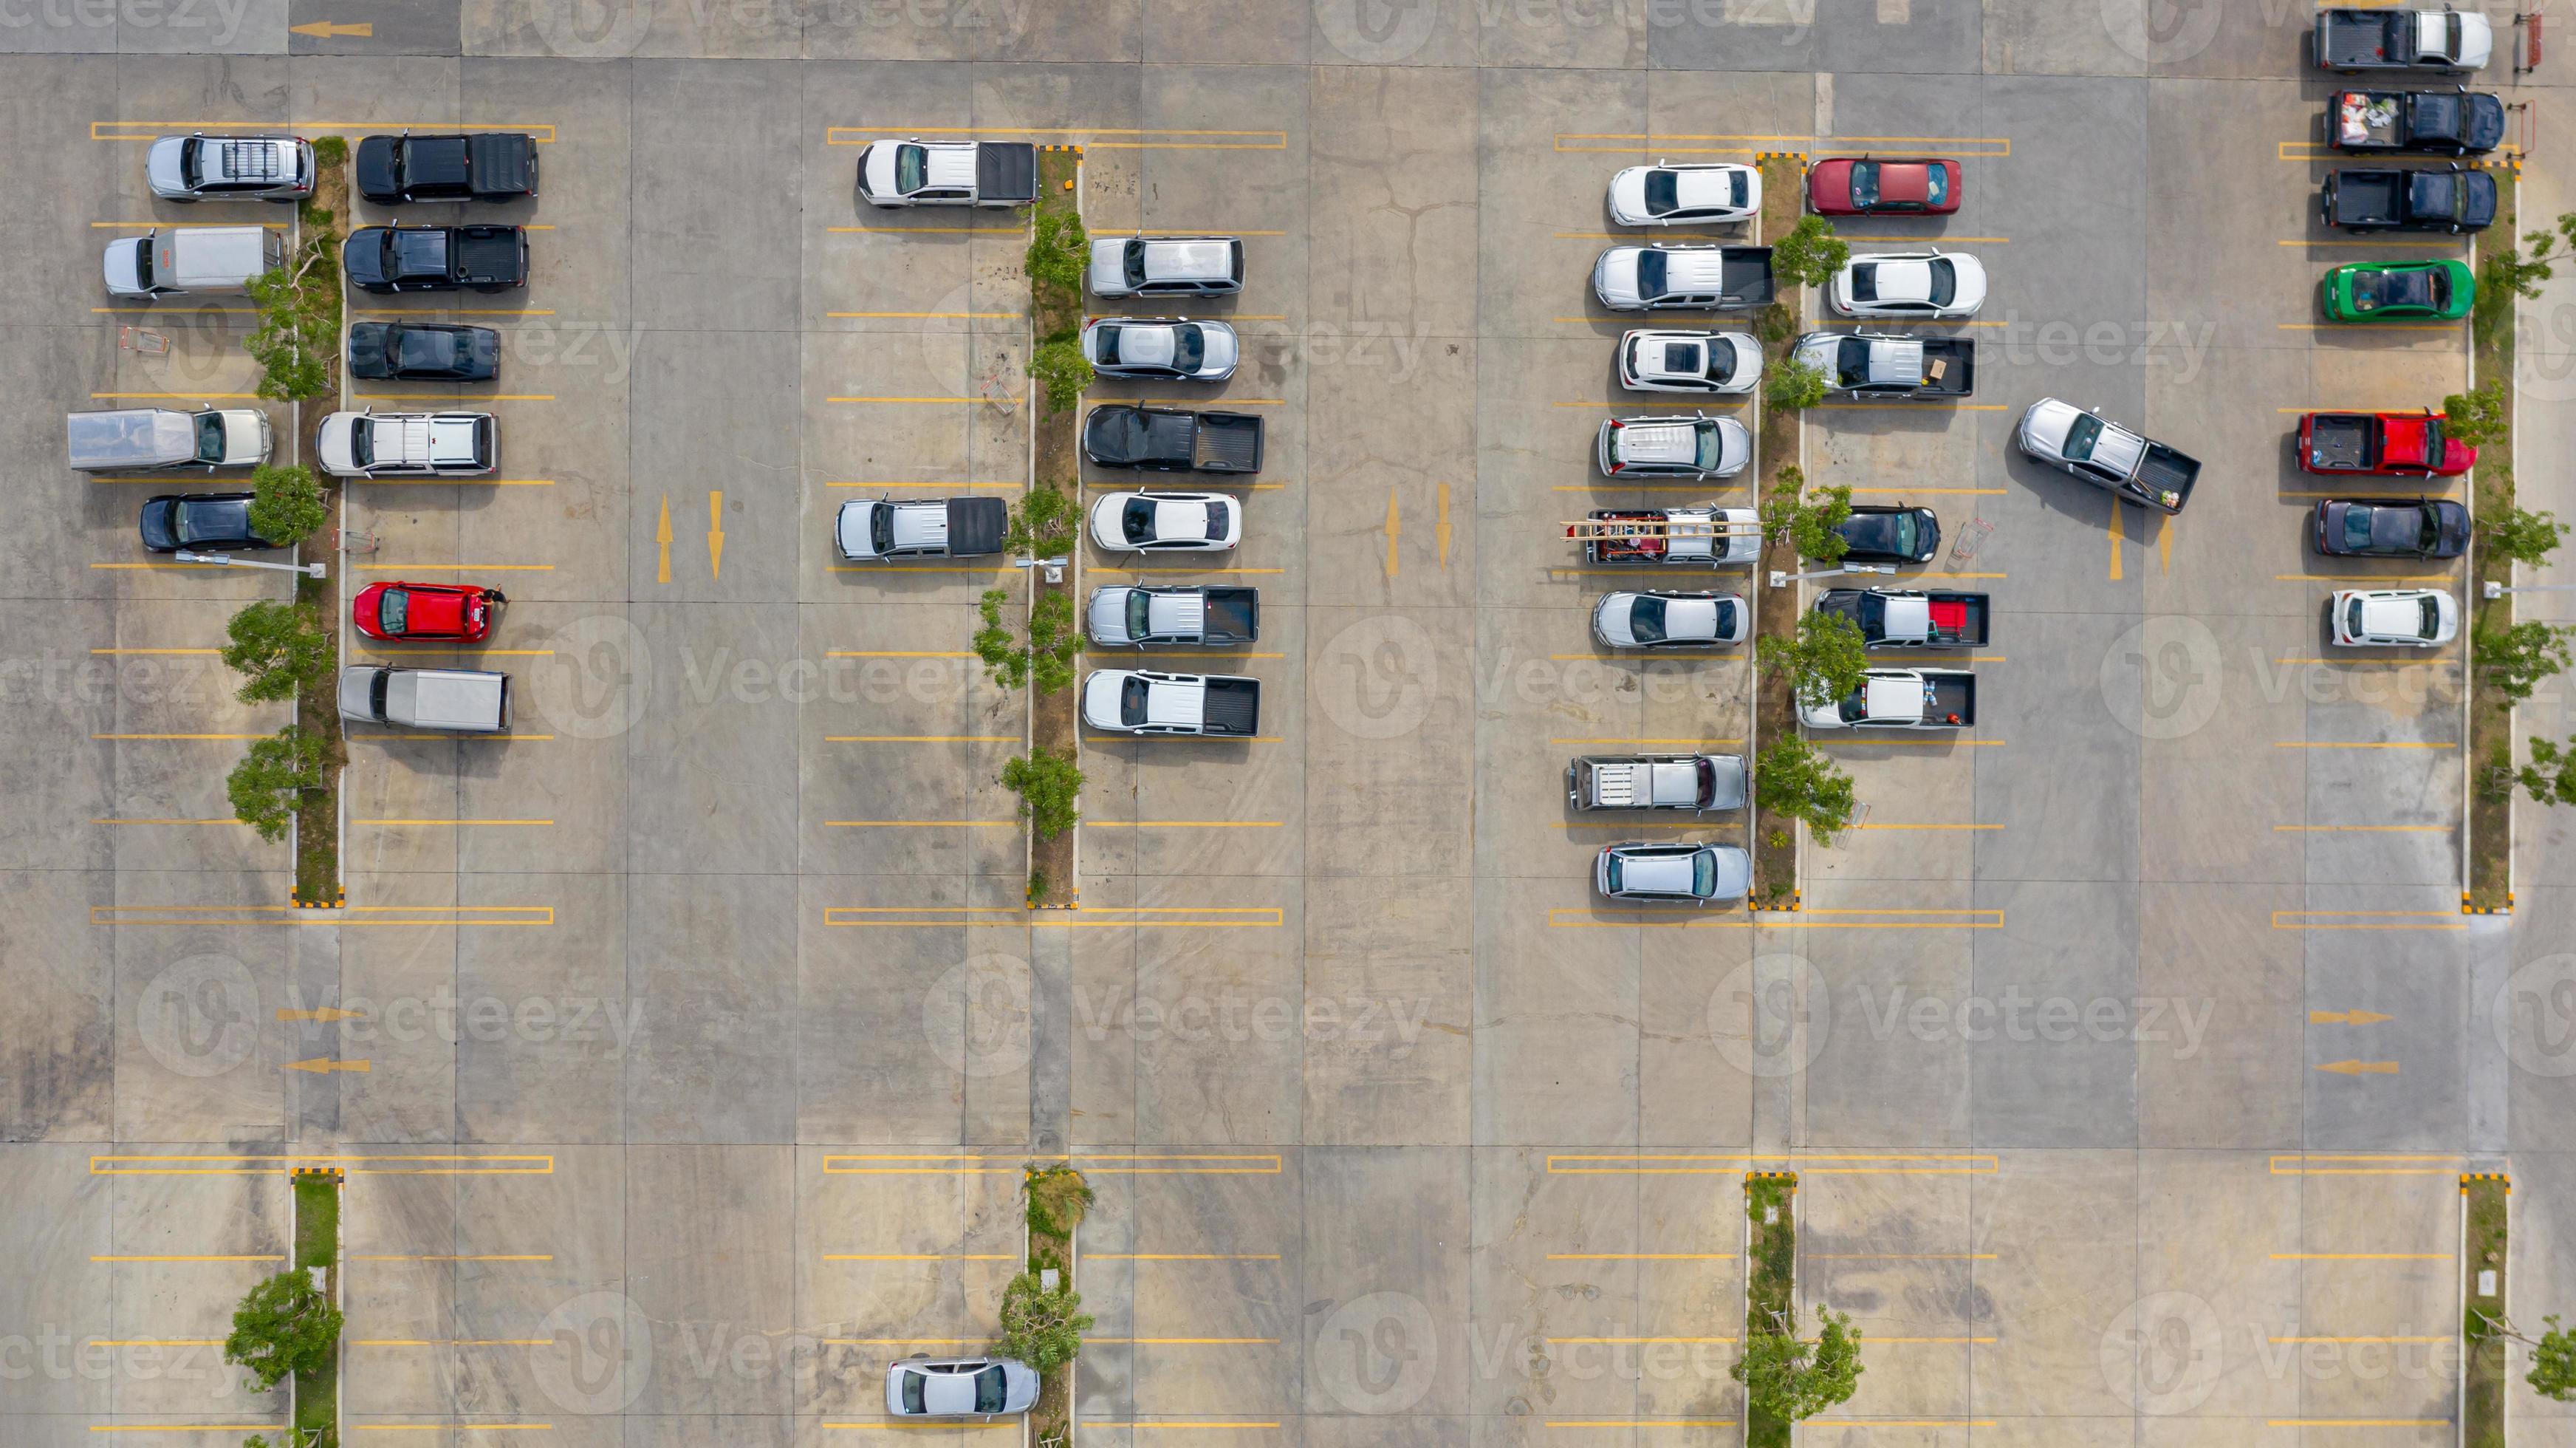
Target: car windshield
(1138, 519)
(1854, 706)
(1663, 192)
(1131, 702)
(1650, 274)
(913, 1387)
(2080, 438)
(1189, 348)
(1717, 361)
(1706, 770)
(210, 437)
(1140, 608)
(1136, 262)
(1864, 183)
(990, 1391)
(1901, 536)
(1646, 620)
(1712, 448)
(881, 528)
(1216, 522)
(2429, 537)
(911, 169)
(1105, 340)
(2356, 529)
(1704, 873)
(1945, 281)
(1851, 361)
(2430, 619)
(2352, 619)
(1937, 185)
(393, 610)
(189, 151)
(143, 263)
(362, 443)
(1618, 877)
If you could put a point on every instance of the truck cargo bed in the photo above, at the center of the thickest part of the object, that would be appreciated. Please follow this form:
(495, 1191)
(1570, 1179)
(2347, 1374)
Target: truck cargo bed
(1950, 698)
(1232, 707)
(1228, 442)
(2163, 471)
(976, 526)
(1233, 616)
(2366, 198)
(2340, 442)
(1006, 171)
(2358, 39)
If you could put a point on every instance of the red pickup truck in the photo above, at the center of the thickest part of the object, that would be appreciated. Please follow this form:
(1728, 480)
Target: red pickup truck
(2383, 444)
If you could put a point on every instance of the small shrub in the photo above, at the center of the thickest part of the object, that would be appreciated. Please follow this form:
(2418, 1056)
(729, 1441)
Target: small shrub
(1825, 662)
(331, 151)
(287, 505)
(2479, 416)
(1041, 1328)
(2523, 535)
(1058, 1199)
(1808, 525)
(1004, 659)
(1794, 778)
(1061, 371)
(2518, 658)
(283, 1326)
(1059, 251)
(1044, 523)
(1054, 643)
(1050, 789)
(281, 647)
(266, 785)
(1810, 254)
(1792, 385)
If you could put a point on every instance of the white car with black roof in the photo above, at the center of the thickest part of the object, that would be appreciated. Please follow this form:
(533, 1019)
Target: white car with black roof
(1166, 522)
(1685, 194)
(1171, 349)
(1899, 285)
(1659, 620)
(1705, 363)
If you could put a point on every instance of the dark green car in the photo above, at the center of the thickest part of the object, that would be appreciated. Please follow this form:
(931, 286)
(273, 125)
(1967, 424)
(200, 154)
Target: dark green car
(2399, 291)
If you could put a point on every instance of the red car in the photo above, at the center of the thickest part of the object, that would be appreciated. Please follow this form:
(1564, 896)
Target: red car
(1867, 186)
(2381, 444)
(419, 613)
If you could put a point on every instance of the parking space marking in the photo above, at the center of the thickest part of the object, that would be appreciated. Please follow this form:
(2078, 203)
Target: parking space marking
(452, 401)
(451, 1342)
(178, 736)
(2360, 1068)
(1171, 654)
(508, 1164)
(178, 396)
(986, 571)
(1994, 147)
(2365, 920)
(1645, 1257)
(1925, 827)
(934, 401)
(2360, 1256)
(1573, 917)
(1187, 1341)
(921, 739)
(193, 1257)
(1642, 1422)
(933, 483)
(464, 1257)
(2333, 1339)
(150, 225)
(952, 1163)
(1189, 824)
(1196, 231)
(451, 822)
(1700, 406)
(1232, 140)
(2369, 327)
(2366, 1164)
(2361, 578)
(1953, 407)
(1125, 917)
(2364, 744)
(1555, 1340)
(1729, 1163)
(2362, 829)
(187, 1427)
(1702, 489)
(962, 316)
(1902, 1422)
(503, 915)
(542, 133)
(458, 482)
(450, 1426)
(1646, 741)
(1138, 739)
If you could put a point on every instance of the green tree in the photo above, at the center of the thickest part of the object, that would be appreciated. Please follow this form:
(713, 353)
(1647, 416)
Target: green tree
(1792, 385)
(1058, 251)
(281, 647)
(2518, 658)
(2478, 416)
(1810, 254)
(284, 1325)
(1041, 1328)
(1789, 516)
(1044, 522)
(2553, 1362)
(1795, 1380)
(1823, 664)
(2522, 534)
(1061, 370)
(287, 505)
(1058, 1199)
(1054, 643)
(2506, 273)
(268, 783)
(1794, 778)
(1005, 659)
(2550, 777)
(1050, 789)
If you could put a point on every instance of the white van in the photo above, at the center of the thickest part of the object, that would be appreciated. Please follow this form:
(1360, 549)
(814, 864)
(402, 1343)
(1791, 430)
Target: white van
(159, 439)
(460, 701)
(217, 261)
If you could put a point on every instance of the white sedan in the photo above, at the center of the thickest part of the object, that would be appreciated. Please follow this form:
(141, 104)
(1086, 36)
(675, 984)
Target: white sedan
(1670, 620)
(976, 1387)
(1166, 522)
(2421, 618)
(1674, 447)
(1701, 362)
(1680, 872)
(1922, 285)
(1168, 348)
(1686, 195)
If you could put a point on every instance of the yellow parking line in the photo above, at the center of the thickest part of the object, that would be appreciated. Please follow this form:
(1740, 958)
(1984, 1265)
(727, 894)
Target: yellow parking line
(1646, 741)
(451, 822)
(451, 1342)
(1644, 1257)
(987, 570)
(453, 401)
(1652, 1339)
(1953, 407)
(175, 311)
(1199, 231)
(188, 1257)
(2363, 829)
(152, 225)
(185, 1427)
(1188, 1341)
(185, 396)
(1194, 824)
(898, 654)
(2366, 920)
(165, 822)
(921, 739)
(2364, 1164)
(156, 1342)
(1174, 654)
(1614, 484)
(920, 824)
(542, 133)
(1204, 1423)
(1707, 1163)
(935, 401)
(922, 1256)
(1925, 827)
(2385, 744)
(1918, 743)
(442, 1257)
(2383, 663)
(1642, 1422)
(969, 316)
(1183, 1256)
(178, 736)
(2361, 1257)
(2358, 1422)
(452, 1426)
(1645, 657)
(1900, 1256)
(455, 567)
(457, 482)
(1226, 739)
(1934, 240)
(1903, 1422)
(513, 738)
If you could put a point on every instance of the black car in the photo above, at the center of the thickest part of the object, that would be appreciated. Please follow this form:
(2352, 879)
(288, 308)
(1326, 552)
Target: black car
(1883, 533)
(423, 352)
(2391, 528)
(200, 523)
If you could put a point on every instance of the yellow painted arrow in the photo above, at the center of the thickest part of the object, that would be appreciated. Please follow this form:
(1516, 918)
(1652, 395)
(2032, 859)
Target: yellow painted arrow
(326, 29)
(325, 1014)
(2357, 1068)
(715, 533)
(1394, 529)
(2346, 1018)
(662, 540)
(323, 1066)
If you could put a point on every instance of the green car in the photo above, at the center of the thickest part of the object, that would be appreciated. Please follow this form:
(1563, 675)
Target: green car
(2390, 291)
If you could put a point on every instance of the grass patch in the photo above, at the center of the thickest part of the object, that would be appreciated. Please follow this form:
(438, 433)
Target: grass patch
(317, 1244)
(2487, 1373)
(2490, 885)
(1055, 304)
(1054, 1199)
(1775, 611)
(317, 704)
(1771, 1282)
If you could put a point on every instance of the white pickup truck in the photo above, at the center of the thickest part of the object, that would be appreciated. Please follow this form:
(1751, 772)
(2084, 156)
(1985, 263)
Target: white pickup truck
(1696, 782)
(1123, 616)
(1902, 699)
(948, 173)
(872, 530)
(407, 444)
(1142, 701)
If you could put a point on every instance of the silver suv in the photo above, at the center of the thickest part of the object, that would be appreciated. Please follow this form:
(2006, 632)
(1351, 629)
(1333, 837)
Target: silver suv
(230, 168)
(1166, 266)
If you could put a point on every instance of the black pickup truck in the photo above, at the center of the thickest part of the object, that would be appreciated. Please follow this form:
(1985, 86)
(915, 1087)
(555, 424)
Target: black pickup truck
(1169, 439)
(2451, 198)
(485, 166)
(436, 258)
(2454, 122)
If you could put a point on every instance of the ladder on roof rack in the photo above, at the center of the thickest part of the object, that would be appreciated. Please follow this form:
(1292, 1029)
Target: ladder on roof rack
(1621, 529)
